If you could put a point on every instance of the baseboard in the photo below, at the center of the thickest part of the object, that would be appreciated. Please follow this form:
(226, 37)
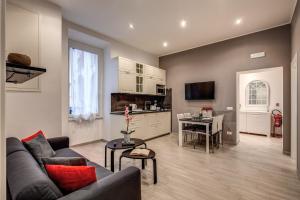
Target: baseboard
(253, 134)
(157, 136)
(84, 143)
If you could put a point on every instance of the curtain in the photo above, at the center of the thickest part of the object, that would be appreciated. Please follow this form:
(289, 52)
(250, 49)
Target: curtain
(83, 84)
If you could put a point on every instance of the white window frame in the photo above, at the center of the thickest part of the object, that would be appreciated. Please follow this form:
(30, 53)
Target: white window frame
(265, 106)
(100, 53)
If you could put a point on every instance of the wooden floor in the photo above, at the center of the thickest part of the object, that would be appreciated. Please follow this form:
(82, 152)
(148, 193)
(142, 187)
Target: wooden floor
(255, 169)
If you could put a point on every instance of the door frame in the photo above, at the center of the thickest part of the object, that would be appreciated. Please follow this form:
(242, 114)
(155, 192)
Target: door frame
(294, 133)
(238, 97)
(2, 102)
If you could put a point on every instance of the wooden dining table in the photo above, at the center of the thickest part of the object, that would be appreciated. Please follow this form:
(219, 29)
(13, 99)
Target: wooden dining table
(196, 121)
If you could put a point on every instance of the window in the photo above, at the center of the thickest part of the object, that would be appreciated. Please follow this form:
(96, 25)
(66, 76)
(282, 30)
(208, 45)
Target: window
(83, 84)
(257, 93)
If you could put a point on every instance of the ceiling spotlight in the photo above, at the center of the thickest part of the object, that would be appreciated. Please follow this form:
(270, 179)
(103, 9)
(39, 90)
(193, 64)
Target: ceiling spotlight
(131, 26)
(183, 23)
(165, 44)
(238, 21)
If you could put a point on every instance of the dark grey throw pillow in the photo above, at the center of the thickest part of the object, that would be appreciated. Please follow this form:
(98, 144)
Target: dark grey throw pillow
(40, 148)
(70, 161)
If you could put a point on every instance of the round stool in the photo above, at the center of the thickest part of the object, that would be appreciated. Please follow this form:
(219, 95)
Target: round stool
(151, 156)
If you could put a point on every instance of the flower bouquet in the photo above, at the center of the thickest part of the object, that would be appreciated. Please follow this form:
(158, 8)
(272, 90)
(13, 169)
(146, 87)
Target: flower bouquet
(127, 132)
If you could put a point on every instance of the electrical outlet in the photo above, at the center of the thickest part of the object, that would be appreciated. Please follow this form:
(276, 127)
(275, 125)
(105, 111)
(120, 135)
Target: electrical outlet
(229, 133)
(229, 108)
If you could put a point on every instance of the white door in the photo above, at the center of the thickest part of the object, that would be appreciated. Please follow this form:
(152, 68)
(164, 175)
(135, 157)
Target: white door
(294, 116)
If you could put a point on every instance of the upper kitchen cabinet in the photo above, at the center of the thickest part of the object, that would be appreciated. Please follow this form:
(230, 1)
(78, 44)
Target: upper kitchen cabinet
(126, 65)
(135, 77)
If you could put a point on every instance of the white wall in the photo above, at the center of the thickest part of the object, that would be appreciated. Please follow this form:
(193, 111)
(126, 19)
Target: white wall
(27, 112)
(2, 99)
(99, 129)
(274, 78)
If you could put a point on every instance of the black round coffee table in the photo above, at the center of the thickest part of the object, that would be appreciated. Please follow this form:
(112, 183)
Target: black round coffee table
(117, 145)
(127, 154)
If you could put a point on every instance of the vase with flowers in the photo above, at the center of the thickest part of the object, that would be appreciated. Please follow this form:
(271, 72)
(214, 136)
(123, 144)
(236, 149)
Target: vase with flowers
(127, 131)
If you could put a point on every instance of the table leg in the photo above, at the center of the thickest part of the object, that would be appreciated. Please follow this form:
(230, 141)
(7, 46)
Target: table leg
(207, 138)
(105, 157)
(112, 161)
(120, 165)
(143, 163)
(154, 171)
(180, 133)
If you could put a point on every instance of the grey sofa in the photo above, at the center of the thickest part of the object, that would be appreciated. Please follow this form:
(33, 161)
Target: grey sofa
(26, 180)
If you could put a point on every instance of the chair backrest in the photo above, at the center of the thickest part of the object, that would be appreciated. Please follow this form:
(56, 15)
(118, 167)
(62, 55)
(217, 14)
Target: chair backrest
(220, 122)
(187, 115)
(180, 116)
(214, 126)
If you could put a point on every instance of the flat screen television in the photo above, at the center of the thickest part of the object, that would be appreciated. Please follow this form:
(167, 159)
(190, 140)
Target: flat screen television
(200, 91)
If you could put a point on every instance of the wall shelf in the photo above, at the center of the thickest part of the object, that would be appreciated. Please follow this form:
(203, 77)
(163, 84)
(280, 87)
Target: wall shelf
(16, 73)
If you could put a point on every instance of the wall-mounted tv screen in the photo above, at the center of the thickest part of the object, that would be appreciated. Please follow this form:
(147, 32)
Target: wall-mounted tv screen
(200, 91)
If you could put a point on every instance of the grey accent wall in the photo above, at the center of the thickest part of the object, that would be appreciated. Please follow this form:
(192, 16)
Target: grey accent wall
(295, 30)
(219, 62)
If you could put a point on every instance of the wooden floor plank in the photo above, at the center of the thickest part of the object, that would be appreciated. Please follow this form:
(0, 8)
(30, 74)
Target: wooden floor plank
(253, 170)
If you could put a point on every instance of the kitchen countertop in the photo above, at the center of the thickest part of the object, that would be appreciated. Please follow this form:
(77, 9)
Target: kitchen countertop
(139, 112)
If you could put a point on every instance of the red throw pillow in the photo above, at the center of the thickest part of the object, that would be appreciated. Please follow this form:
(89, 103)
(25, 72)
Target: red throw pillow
(71, 178)
(27, 139)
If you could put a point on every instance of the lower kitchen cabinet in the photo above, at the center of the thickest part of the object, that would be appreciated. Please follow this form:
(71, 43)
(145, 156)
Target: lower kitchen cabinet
(146, 126)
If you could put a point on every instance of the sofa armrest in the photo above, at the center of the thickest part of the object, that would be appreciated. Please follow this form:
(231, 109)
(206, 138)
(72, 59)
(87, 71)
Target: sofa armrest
(124, 185)
(59, 143)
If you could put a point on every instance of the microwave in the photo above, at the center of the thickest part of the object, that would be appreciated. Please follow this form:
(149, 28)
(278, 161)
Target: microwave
(160, 89)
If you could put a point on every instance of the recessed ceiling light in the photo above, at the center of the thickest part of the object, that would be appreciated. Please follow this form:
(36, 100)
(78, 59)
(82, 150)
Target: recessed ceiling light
(165, 44)
(238, 21)
(131, 26)
(183, 23)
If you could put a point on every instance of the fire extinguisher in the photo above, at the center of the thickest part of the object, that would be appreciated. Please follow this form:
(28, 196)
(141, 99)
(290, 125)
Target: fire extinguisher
(277, 117)
(277, 123)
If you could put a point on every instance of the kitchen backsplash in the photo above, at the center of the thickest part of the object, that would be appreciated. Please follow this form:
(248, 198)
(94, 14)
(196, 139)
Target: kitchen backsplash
(120, 100)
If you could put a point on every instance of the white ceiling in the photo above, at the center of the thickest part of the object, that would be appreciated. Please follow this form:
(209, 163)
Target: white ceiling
(156, 21)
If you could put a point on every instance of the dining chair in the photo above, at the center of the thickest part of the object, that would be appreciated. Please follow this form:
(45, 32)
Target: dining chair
(220, 128)
(214, 131)
(185, 129)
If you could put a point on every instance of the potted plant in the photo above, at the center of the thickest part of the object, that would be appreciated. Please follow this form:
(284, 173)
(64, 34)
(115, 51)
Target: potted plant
(128, 131)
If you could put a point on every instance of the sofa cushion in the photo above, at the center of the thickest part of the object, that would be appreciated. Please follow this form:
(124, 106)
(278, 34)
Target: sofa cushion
(66, 152)
(39, 147)
(13, 145)
(70, 161)
(27, 181)
(101, 172)
(71, 178)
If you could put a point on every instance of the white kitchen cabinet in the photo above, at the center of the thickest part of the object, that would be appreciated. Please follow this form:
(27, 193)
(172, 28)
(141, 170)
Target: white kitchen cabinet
(150, 85)
(149, 71)
(135, 77)
(146, 126)
(255, 122)
(127, 82)
(161, 79)
(127, 65)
